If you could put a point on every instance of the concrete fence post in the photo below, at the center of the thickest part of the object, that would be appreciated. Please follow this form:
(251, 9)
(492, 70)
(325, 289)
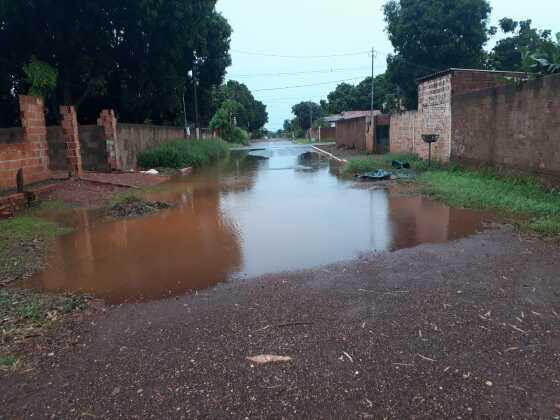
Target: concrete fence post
(108, 121)
(72, 140)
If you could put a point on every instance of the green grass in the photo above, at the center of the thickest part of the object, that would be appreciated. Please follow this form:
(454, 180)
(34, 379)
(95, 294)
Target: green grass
(23, 312)
(489, 190)
(124, 197)
(180, 154)
(8, 361)
(522, 197)
(27, 228)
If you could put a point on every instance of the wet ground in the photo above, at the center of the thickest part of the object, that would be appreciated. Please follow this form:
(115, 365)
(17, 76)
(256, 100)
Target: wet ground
(465, 329)
(266, 211)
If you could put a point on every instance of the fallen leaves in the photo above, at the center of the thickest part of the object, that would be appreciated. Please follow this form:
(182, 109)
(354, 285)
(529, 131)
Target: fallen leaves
(269, 358)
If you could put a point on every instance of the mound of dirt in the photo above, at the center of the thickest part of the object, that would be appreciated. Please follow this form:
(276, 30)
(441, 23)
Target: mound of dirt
(134, 207)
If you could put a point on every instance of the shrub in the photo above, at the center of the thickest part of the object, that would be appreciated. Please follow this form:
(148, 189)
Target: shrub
(179, 154)
(239, 136)
(41, 77)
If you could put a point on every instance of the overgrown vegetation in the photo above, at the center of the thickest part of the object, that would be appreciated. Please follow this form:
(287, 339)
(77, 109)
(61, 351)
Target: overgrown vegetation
(483, 189)
(179, 154)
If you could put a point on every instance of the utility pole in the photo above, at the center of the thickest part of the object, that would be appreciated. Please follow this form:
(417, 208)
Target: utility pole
(310, 119)
(371, 123)
(195, 83)
(186, 128)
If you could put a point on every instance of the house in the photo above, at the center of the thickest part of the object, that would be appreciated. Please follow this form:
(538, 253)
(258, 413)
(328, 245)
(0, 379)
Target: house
(355, 131)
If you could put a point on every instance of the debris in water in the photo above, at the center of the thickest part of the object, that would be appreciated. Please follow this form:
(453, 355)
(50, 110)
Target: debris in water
(150, 172)
(134, 206)
(379, 175)
(269, 358)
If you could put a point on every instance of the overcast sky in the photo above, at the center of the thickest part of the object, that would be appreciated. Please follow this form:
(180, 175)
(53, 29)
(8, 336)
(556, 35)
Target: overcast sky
(271, 37)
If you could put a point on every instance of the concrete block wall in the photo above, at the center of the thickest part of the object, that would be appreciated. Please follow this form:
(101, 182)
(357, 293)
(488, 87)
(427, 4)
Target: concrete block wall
(132, 139)
(31, 153)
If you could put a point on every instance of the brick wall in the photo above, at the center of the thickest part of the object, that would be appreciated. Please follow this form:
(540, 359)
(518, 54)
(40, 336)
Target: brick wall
(436, 95)
(516, 126)
(69, 125)
(351, 133)
(30, 154)
(402, 132)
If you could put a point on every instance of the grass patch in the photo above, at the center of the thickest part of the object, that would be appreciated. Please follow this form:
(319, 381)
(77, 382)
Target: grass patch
(27, 228)
(488, 190)
(23, 246)
(8, 361)
(25, 314)
(179, 154)
(523, 197)
(124, 197)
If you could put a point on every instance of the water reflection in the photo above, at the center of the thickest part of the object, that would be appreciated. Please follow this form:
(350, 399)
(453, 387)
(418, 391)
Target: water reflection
(245, 217)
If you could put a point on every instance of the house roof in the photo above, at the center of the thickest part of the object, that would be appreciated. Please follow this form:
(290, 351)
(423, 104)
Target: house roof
(453, 70)
(349, 115)
(332, 118)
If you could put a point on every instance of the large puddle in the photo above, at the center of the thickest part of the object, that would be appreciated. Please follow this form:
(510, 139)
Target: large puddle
(252, 215)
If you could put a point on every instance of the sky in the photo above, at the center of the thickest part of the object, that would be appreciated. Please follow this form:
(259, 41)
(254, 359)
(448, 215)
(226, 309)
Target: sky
(280, 44)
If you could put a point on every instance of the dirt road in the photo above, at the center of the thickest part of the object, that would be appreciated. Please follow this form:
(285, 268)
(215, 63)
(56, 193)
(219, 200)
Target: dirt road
(464, 329)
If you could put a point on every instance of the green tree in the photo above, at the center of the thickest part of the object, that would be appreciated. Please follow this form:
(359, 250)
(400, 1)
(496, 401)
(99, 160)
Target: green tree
(306, 113)
(253, 116)
(129, 55)
(432, 35)
(511, 53)
(343, 98)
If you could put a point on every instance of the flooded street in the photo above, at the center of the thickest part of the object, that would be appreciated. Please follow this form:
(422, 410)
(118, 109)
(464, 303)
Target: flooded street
(268, 211)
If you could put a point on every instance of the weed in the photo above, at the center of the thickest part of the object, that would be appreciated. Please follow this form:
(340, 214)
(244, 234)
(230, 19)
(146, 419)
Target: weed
(179, 154)
(8, 361)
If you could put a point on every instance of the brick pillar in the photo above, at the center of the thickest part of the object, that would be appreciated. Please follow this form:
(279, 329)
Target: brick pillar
(108, 121)
(70, 128)
(35, 138)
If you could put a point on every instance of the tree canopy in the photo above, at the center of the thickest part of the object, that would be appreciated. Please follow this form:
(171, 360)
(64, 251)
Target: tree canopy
(253, 115)
(130, 55)
(513, 52)
(432, 35)
(306, 113)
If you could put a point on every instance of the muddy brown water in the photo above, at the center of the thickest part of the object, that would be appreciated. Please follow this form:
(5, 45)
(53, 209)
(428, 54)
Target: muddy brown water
(272, 210)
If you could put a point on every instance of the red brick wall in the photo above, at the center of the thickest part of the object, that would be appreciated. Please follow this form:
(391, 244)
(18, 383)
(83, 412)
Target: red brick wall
(435, 111)
(468, 81)
(402, 132)
(31, 154)
(515, 125)
(70, 128)
(108, 121)
(328, 133)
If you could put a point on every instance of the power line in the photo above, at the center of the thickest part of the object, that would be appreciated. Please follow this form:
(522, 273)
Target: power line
(309, 85)
(331, 70)
(300, 56)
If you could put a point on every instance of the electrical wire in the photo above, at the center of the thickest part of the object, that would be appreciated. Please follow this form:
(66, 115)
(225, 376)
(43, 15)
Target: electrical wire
(308, 85)
(299, 56)
(322, 71)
